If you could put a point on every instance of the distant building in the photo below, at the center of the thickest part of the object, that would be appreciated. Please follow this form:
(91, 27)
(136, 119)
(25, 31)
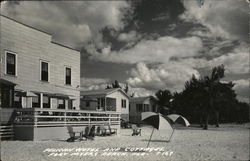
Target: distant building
(137, 105)
(36, 72)
(106, 100)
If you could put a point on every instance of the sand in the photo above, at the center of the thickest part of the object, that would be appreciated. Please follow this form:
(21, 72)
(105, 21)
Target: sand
(229, 142)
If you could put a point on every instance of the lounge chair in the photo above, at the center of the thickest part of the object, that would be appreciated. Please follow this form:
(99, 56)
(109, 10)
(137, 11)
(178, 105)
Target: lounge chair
(86, 132)
(136, 130)
(72, 134)
(91, 133)
(112, 130)
(107, 130)
(104, 130)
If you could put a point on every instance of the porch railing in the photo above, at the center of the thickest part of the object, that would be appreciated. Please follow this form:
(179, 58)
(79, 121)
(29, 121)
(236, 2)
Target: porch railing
(38, 117)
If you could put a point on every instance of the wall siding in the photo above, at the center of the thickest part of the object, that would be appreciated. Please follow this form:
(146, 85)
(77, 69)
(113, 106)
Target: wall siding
(31, 46)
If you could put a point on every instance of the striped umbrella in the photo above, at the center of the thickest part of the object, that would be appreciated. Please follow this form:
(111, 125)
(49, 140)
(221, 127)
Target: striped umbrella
(178, 119)
(157, 121)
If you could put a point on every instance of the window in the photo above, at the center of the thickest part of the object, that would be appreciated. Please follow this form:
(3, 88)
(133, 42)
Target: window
(17, 100)
(124, 103)
(68, 76)
(139, 108)
(44, 71)
(70, 104)
(10, 63)
(146, 107)
(46, 101)
(36, 102)
(87, 104)
(101, 103)
(61, 104)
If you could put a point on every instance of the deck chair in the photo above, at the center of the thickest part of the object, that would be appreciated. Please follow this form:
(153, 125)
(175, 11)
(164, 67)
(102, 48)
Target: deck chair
(112, 130)
(104, 130)
(92, 133)
(136, 130)
(72, 135)
(86, 132)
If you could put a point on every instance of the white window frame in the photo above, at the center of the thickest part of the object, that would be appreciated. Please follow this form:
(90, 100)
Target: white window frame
(124, 103)
(40, 73)
(6, 51)
(65, 75)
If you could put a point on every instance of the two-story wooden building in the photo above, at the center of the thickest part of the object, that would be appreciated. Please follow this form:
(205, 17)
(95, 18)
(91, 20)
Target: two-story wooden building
(34, 71)
(40, 86)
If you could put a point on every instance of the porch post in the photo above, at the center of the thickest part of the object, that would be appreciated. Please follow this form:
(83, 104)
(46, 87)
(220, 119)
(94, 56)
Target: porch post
(105, 104)
(41, 100)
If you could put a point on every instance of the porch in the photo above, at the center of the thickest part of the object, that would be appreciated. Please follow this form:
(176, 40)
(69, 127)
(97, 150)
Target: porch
(51, 124)
(99, 103)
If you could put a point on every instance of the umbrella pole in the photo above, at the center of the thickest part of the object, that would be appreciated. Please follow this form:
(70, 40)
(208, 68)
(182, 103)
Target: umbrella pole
(150, 137)
(171, 135)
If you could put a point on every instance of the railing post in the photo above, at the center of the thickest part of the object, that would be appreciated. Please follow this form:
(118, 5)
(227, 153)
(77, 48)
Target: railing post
(89, 119)
(65, 119)
(109, 119)
(35, 118)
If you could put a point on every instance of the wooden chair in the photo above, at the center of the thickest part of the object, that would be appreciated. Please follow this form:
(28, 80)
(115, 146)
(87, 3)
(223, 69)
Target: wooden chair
(72, 134)
(136, 130)
(112, 130)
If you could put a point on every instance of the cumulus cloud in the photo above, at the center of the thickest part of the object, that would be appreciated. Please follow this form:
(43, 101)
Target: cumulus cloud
(70, 22)
(94, 83)
(224, 18)
(142, 92)
(127, 37)
(171, 76)
(151, 51)
(242, 89)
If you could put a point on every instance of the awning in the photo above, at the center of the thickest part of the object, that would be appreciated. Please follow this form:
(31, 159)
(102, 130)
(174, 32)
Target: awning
(54, 95)
(3, 81)
(59, 95)
(26, 94)
(86, 98)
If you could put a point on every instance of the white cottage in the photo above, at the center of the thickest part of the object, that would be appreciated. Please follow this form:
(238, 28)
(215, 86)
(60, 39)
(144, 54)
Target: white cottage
(138, 105)
(106, 100)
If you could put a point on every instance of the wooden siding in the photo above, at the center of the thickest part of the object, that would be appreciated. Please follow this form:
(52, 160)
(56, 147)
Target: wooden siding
(31, 46)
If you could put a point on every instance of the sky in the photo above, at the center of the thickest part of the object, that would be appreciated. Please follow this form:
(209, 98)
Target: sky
(149, 45)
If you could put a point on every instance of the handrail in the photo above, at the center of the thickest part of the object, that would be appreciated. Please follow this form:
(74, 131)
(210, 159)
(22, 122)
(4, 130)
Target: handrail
(38, 117)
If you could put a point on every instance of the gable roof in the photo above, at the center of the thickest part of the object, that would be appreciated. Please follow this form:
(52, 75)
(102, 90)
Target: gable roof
(102, 92)
(138, 99)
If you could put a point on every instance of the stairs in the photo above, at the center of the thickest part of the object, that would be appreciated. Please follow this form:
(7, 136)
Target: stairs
(6, 132)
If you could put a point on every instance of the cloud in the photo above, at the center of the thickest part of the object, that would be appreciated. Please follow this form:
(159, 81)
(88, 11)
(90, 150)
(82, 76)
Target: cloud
(70, 22)
(242, 89)
(142, 92)
(94, 83)
(170, 76)
(130, 36)
(224, 18)
(151, 51)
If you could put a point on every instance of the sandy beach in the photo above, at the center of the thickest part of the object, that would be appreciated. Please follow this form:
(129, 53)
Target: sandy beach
(229, 142)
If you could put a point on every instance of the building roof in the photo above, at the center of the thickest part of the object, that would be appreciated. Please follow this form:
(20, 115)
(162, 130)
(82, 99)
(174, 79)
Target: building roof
(39, 31)
(138, 99)
(3, 81)
(102, 92)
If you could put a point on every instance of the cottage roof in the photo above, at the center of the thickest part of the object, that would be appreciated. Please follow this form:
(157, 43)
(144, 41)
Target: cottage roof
(138, 99)
(102, 92)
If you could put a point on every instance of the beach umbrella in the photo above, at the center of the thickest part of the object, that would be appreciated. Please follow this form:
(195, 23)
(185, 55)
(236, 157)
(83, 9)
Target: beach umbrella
(178, 119)
(157, 121)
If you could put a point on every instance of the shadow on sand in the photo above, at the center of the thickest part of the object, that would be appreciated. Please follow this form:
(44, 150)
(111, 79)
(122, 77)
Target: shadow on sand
(155, 140)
